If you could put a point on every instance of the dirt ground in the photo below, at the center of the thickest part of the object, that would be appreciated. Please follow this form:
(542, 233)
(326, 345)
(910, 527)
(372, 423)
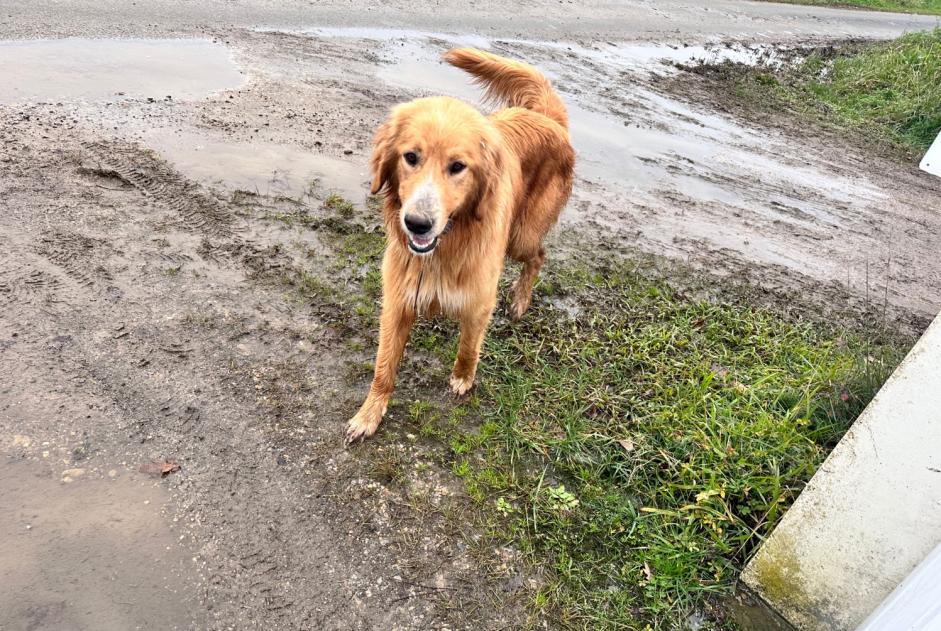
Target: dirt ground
(144, 314)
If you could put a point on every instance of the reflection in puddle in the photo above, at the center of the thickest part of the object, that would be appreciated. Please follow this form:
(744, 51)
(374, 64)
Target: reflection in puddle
(109, 69)
(263, 168)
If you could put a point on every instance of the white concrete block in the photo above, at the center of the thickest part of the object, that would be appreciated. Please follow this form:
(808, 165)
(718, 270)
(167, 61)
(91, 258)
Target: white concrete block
(871, 513)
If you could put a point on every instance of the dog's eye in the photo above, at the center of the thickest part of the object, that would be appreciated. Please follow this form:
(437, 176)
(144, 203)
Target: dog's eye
(457, 167)
(411, 158)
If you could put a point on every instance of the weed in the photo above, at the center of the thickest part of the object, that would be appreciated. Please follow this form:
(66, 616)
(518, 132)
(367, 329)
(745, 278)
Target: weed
(362, 248)
(389, 465)
(341, 206)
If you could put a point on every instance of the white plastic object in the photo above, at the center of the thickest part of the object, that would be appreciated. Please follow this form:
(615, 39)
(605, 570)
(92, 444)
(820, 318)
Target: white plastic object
(915, 605)
(932, 160)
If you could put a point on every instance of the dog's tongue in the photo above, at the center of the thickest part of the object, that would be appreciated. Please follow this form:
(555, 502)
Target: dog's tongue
(420, 241)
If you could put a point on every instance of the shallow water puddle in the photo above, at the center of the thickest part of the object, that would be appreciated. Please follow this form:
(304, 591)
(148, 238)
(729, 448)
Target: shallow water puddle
(262, 168)
(82, 552)
(608, 150)
(641, 55)
(108, 69)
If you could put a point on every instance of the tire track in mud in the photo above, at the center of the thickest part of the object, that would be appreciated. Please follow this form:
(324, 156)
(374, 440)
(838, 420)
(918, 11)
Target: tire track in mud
(256, 260)
(22, 284)
(46, 278)
(78, 255)
(199, 210)
(154, 178)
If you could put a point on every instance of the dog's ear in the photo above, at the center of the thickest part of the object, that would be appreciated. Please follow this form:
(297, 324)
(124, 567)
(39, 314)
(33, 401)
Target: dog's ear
(488, 175)
(383, 157)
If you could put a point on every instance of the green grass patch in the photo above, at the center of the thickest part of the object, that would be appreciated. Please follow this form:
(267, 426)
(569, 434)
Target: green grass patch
(890, 92)
(893, 88)
(339, 205)
(930, 7)
(349, 284)
(632, 441)
(640, 449)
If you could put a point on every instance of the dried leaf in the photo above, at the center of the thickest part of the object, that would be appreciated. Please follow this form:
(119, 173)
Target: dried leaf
(161, 468)
(627, 444)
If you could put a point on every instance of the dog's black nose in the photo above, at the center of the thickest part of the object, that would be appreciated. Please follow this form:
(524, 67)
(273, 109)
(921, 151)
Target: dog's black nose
(417, 225)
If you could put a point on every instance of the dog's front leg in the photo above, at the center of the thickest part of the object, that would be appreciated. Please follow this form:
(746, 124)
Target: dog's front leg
(473, 327)
(394, 327)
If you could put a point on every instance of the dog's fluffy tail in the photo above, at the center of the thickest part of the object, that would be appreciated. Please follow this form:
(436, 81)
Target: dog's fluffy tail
(513, 82)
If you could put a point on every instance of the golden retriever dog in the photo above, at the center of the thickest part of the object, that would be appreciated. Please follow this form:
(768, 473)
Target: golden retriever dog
(463, 191)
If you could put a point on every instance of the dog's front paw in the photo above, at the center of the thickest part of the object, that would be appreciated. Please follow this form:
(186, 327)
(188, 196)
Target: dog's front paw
(366, 421)
(461, 385)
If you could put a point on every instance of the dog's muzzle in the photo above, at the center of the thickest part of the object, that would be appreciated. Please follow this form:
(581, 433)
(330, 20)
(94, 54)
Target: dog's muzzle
(426, 242)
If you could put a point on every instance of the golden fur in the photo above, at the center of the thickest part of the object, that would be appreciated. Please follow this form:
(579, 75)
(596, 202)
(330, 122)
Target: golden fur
(489, 187)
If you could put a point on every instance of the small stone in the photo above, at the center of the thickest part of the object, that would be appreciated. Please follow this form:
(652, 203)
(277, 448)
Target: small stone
(20, 440)
(70, 474)
(113, 473)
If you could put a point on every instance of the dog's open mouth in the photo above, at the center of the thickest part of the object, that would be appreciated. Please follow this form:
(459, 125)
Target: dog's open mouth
(422, 245)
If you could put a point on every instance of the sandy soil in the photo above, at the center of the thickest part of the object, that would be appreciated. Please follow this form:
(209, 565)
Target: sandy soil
(142, 317)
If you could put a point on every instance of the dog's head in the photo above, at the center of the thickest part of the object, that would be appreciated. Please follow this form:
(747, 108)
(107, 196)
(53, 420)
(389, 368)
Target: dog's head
(435, 158)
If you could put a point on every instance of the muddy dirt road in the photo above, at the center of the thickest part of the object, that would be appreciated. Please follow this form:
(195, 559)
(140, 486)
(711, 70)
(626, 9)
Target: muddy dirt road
(147, 308)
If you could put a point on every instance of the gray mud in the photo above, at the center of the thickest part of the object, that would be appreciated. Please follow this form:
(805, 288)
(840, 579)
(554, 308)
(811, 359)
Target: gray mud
(90, 549)
(171, 280)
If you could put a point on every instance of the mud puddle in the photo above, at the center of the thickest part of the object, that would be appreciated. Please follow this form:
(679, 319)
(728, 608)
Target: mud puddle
(670, 147)
(110, 69)
(263, 168)
(83, 551)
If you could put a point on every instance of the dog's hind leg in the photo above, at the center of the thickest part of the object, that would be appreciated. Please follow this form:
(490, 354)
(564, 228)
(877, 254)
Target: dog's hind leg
(522, 290)
(532, 224)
